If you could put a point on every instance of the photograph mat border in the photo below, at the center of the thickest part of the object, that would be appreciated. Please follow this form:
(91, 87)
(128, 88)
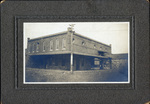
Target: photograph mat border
(129, 70)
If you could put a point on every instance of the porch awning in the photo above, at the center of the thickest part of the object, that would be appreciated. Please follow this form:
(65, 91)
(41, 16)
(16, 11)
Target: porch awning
(77, 53)
(49, 53)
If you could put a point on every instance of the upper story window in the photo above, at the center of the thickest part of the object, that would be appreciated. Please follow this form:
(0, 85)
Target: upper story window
(83, 43)
(100, 48)
(73, 40)
(33, 48)
(43, 46)
(63, 43)
(57, 44)
(29, 48)
(37, 47)
(101, 53)
(51, 45)
(94, 46)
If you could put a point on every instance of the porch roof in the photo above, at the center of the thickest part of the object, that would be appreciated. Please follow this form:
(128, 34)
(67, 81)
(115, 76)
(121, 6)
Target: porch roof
(92, 55)
(68, 52)
(50, 53)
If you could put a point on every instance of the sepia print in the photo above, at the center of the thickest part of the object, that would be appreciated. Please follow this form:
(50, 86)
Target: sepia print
(76, 52)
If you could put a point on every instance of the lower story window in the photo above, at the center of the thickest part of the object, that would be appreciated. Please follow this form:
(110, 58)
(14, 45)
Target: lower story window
(96, 62)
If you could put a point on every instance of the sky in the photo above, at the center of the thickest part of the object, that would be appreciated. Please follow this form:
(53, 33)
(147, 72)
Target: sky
(114, 33)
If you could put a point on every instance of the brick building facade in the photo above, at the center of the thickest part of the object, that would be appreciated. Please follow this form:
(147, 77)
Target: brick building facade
(67, 50)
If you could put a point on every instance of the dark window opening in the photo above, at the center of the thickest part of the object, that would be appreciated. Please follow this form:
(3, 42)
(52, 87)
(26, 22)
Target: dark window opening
(83, 43)
(73, 40)
(94, 46)
(101, 53)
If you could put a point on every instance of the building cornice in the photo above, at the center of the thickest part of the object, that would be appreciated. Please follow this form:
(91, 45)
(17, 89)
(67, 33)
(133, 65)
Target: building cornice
(47, 36)
(91, 39)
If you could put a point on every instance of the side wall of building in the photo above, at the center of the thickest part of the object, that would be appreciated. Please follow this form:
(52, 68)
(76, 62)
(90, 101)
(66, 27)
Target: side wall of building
(87, 46)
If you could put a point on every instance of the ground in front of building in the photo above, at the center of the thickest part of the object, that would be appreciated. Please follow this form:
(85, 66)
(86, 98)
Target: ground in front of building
(43, 75)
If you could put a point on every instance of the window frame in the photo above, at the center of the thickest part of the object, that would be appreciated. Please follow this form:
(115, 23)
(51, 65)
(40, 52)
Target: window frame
(63, 44)
(37, 47)
(57, 44)
(33, 48)
(51, 45)
(44, 46)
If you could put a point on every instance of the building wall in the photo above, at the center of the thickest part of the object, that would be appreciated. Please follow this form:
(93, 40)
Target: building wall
(120, 63)
(42, 45)
(80, 45)
(49, 52)
(84, 45)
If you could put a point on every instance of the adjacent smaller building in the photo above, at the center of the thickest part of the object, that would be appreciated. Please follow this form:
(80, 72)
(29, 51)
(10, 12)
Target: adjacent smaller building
(120, 63)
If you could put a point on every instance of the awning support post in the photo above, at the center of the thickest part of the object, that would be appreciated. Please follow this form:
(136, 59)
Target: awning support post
(71, 63)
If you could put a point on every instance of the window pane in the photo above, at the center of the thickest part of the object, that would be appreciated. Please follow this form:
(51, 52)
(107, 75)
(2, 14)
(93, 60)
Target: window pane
(57, 44)
(51, 45)
(37, 47)
(96, 62)
(64, 43)
(43, 46)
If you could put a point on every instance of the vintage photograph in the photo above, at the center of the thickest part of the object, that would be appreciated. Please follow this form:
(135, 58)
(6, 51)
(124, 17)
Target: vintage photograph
(76, 52)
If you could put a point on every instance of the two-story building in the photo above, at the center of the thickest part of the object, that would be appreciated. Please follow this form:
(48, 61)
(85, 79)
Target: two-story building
(67, 50)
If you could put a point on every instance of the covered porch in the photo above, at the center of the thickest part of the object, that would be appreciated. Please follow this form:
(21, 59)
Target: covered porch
(70, 62)
(85, 62)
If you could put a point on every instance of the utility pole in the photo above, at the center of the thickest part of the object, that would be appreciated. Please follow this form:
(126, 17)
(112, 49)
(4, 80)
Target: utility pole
(71, 56)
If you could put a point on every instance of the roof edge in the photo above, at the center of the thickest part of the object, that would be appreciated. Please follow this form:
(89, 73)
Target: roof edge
(48, 35)
(91, 39)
